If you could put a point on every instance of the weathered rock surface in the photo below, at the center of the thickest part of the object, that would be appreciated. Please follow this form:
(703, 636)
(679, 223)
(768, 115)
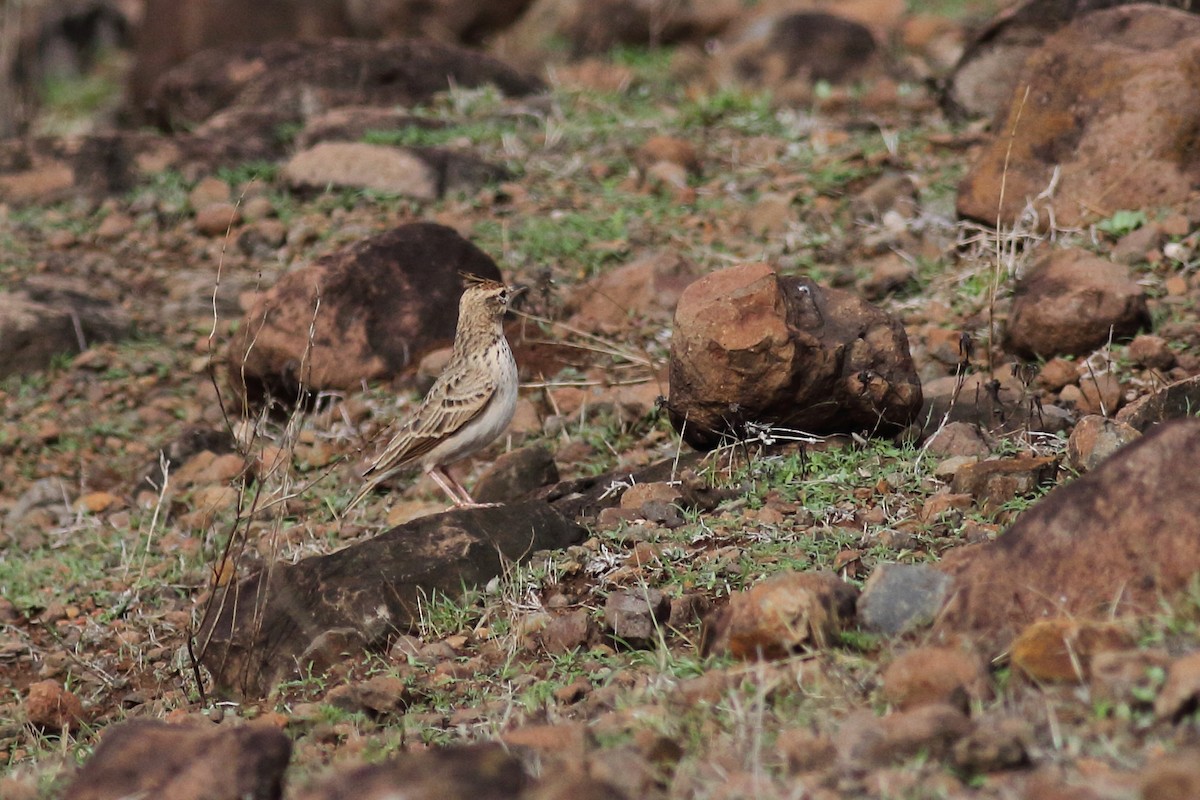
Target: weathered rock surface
(1118, 540)
(990, 68)
(752, 348)
(262, 629)
(1176, 401)
(1094, 439)
(147, 758)
(1077, 119)
(1071, 303)
(45, 317)
(782, 615)
(383, 303)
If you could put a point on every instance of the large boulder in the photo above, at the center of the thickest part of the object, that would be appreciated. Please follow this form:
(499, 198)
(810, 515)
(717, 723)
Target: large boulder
(1110, 106)
(366, 312)
(752, 348)
(1119, 540)
(302, 616)
(989, 70)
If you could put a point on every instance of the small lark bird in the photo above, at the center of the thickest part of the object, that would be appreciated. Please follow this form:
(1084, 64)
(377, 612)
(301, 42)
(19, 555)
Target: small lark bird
(470, 404)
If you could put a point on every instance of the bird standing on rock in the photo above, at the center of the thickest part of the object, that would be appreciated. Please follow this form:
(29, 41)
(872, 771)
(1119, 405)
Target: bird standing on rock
(470, 404)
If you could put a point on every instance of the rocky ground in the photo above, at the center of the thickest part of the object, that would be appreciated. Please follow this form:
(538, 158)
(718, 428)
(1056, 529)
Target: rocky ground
(853, 458)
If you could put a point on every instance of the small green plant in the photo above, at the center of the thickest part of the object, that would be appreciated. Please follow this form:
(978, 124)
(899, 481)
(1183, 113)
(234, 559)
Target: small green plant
(1122, 222)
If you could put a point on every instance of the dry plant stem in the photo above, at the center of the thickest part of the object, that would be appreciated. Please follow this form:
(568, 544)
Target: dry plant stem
(995, 288)
(601, 345)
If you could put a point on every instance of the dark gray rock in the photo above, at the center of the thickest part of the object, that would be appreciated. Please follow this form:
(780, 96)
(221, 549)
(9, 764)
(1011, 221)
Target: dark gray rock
(898, 598)
(635, 615)
(292, 617)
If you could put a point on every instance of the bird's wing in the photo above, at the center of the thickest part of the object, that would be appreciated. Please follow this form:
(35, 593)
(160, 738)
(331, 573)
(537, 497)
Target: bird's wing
(455, 399)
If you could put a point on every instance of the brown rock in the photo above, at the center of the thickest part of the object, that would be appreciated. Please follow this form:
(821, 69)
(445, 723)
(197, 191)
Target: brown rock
(1127, 676)
(1118, 540)
(1133, 247)
(378, 696)
(114, 226)
(1172, 777)
(216, 218)
(865, 741)
(1181, 692)
(1062, 649)
(373, 322)
(1099, 394)
(670, 149)
(1151, 351)
(145, 758)
(1073, 302)
(51, 707)
(570, 739)
(929, 675)
(642, 292)
(993, 746)
(639, 494)
(994, 482)
(751, 348)
(892, 191)
(1094, 439)
(1075, 120)
(985, 77)
(360, 165)
(889, 273)
(485, 771)
(804, 750)
(784, 613)
(958, 439)
(208, 191)
(1057, 373)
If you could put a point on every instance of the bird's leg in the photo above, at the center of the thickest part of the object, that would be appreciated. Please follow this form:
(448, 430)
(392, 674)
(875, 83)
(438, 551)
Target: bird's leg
(457, 494)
